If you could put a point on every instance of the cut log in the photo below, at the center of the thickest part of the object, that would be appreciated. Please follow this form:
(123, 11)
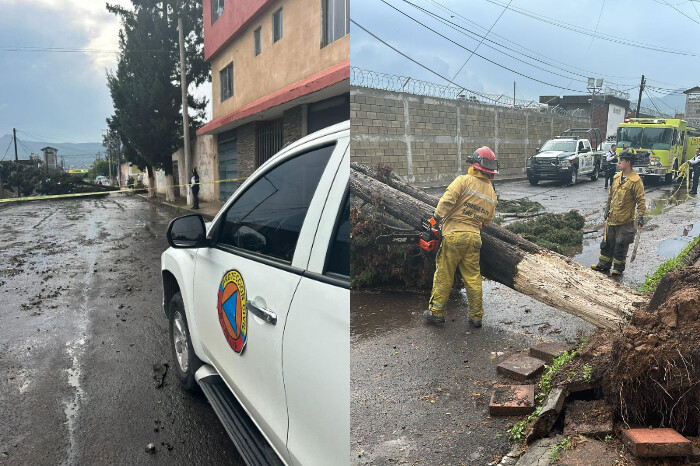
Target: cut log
(513, 261)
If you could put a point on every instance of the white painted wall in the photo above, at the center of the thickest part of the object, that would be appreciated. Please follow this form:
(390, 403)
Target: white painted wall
(616, 115)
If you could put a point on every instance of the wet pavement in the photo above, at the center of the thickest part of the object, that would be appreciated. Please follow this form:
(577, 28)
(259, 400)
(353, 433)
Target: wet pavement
(419, 393)
(83, 324)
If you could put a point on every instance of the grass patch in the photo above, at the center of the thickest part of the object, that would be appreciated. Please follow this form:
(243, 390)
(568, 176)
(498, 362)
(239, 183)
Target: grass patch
(558, 449)
(516, 433)
(670, 265)
(552, 231)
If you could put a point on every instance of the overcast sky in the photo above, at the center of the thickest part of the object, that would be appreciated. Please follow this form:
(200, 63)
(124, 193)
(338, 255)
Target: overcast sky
(49, 95)
(565, 57)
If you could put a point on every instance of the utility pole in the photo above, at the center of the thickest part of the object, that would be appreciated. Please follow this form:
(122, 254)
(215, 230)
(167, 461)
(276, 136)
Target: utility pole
(513, 94)
(593, 86)
(14, 138)
(109, 163)
(185, 116)
(639, 100)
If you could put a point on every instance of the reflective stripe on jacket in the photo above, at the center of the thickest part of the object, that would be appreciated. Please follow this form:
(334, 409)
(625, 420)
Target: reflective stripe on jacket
(468, 204)
(623, 197)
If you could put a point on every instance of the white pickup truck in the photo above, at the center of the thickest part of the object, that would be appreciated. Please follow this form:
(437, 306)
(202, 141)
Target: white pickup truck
(567, 157)
(259, 306)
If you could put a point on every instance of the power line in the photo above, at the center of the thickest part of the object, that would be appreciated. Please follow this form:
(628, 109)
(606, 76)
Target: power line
(679, 11)
(43, 139)
(482, 40)
(467, 32)
(465, 48)
(583, 31)
(652, 103)
(568, 66)
(6, 150)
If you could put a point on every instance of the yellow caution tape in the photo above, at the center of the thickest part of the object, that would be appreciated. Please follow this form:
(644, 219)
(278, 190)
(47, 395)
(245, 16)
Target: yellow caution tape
(102, 193)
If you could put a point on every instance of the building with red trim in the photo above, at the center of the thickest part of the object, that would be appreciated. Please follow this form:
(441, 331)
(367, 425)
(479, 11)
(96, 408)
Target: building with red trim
(280, 70)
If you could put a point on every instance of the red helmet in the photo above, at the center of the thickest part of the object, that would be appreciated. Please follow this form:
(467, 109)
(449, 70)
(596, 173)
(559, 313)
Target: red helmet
(485, 160)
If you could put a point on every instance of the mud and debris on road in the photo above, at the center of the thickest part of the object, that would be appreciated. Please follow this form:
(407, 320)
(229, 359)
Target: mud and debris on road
(80, 288)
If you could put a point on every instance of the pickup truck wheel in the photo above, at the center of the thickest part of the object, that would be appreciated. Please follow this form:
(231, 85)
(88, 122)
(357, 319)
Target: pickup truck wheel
(186, 362)
(533, 181)
(596, 172)
(574, 175)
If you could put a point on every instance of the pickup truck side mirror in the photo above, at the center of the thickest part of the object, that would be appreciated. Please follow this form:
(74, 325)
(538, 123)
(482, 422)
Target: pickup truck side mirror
(537, 149)
(186, 232)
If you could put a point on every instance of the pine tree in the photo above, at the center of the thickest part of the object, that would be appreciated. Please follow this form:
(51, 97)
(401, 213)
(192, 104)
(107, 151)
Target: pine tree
(145, 87)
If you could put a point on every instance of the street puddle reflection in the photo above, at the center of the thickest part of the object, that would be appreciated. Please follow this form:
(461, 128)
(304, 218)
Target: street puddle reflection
(375, 313)
(685, 235)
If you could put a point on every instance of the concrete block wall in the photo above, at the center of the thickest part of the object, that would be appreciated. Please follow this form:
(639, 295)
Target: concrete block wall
(427, 140)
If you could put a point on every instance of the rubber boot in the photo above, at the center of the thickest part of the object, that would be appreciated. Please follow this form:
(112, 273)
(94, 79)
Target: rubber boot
(433, 319)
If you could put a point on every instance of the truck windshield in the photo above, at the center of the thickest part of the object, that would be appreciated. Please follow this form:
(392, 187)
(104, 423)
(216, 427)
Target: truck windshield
(645, 138)
(564, 146)
(657, 138)
(630, 137)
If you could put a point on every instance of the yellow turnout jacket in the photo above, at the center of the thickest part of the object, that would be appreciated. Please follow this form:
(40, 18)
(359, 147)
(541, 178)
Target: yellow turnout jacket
(468, 204)
(623, 197)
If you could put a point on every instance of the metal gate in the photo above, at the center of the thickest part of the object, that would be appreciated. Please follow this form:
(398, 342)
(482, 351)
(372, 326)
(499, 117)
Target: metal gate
(228, 164)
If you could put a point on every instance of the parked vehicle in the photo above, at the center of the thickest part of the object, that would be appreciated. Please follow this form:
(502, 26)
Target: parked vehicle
(670, 142)
(567, 157)
(259, 305)
(101, 179)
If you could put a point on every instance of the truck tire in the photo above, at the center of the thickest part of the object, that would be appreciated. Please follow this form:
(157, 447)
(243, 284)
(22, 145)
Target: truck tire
(574, 176)
(185, 361)
(533, 180)
(596, 172)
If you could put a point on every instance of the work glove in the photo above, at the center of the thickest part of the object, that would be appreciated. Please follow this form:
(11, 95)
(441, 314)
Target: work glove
(640, 221)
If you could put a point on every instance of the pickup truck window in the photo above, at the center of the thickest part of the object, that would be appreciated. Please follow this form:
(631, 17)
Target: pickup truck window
(338, 259)
(564, 146)
(268, 216)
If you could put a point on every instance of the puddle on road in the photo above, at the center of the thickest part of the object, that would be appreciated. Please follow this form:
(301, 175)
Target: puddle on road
(686, 234)
(375, 313)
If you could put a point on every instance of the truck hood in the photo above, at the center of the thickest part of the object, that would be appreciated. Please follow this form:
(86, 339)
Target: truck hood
(553, 154)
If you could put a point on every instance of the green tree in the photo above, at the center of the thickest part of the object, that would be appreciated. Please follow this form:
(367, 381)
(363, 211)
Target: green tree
(99, 167)
(145, 87)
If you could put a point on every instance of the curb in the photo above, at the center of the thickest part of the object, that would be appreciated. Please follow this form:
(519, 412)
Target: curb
(178, 210)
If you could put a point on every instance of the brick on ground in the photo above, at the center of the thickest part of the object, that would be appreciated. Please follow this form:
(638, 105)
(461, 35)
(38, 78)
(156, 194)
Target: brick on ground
(548, 351)
(512, 400)
(520, 367)
(656, 442)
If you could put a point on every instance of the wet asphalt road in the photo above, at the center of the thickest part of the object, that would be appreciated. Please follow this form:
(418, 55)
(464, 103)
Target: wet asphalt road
(83, 324)
(420, 393)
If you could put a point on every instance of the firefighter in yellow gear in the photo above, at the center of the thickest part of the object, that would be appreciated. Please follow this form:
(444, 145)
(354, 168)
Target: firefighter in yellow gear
(467, 206)
(626, 193)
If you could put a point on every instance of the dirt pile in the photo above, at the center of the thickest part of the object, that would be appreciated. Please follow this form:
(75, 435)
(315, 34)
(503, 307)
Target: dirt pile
(653, 375)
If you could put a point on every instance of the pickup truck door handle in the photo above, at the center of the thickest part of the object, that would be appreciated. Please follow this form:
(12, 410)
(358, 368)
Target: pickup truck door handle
(265, 314)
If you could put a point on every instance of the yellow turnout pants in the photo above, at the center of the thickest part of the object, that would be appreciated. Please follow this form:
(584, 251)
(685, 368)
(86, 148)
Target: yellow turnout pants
(460, 249)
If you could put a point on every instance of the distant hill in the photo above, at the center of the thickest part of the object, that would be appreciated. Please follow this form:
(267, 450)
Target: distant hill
(76, 155)
(668, 104)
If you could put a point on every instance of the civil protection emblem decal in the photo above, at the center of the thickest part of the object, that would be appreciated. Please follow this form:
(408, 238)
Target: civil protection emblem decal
(231, 308)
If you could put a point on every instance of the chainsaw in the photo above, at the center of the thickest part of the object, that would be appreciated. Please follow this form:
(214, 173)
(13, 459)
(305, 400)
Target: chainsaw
(428, 239)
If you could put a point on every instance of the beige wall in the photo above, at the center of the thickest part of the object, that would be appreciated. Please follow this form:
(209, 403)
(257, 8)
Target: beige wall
(205, 161)
(296, 56)
(427, 140)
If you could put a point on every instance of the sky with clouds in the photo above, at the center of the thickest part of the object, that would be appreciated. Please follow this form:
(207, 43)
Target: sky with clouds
(50, 95)
(554, 45)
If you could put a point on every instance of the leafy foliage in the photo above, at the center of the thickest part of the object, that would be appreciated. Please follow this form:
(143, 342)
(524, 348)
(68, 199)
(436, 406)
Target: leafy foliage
(145, 88)
(524, 205)
(564, 444)
(552, 231)
(31, 180)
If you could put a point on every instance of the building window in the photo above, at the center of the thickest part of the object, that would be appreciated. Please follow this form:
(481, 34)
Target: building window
(226, 82)
(217, 9)
(277, 25)
(258, 44)
(336, 20)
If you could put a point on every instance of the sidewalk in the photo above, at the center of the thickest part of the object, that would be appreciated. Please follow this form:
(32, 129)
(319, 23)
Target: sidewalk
(207, 209)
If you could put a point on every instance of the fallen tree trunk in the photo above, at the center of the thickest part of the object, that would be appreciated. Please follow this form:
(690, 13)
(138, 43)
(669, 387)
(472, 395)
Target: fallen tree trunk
(511, 260)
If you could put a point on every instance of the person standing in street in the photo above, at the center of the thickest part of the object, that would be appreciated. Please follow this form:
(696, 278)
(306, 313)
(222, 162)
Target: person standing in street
(626, 193)
(610, 165)
(469, 204)
(695, 165)
(194, 181)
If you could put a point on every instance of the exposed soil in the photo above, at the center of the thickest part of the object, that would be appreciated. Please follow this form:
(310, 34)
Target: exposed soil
(650, 372)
